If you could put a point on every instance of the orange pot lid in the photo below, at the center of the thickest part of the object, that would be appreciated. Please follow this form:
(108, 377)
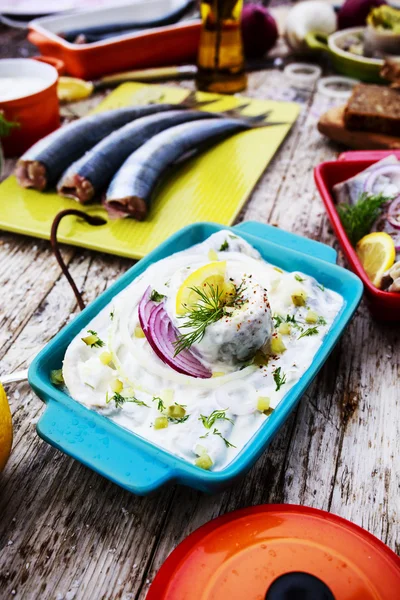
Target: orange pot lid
(240, 555)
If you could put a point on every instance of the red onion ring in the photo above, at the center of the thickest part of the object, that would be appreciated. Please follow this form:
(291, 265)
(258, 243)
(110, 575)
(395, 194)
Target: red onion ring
(393, 214)
(162, 335)
(383, 170)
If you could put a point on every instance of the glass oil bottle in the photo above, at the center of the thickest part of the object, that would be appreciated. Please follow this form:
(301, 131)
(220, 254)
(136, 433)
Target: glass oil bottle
(220, 60)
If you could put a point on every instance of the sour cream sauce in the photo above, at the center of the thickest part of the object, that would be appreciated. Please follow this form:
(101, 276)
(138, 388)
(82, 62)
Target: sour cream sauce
(235, 387)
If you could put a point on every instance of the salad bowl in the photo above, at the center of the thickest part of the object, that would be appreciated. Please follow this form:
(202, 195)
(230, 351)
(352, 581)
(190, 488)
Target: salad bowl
(129, 460)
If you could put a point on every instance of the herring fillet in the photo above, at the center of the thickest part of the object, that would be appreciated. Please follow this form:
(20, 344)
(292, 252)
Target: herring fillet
(130, 190)
(42, 165)
(91, 173)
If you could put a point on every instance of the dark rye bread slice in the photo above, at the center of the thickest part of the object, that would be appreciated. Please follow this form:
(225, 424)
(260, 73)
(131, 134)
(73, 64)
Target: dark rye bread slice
(373, 108)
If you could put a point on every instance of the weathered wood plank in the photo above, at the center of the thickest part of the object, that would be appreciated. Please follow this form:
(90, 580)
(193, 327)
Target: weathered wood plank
(75, 535)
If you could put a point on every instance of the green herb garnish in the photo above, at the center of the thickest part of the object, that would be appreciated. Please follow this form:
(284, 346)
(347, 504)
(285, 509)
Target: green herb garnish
(93, 339)
(112, 315)
(209, 309)
(178, 420)
(321, 287)
(156, 297)
(309, 331)
(321, 321)
(216, 415)
(279, 378)
(224, 246)
(160, 403)
(227, 443)
(7, 126)
(357, 219)
(120, 400)
(298, 278)
(278, 320)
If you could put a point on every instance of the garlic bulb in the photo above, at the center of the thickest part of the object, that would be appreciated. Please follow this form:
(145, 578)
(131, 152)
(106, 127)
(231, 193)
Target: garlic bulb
(315, 16)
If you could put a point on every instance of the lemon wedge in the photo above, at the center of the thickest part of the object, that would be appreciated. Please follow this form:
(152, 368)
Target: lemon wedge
(5, 429)
(70, 89)
(377, 254)
(211, 275)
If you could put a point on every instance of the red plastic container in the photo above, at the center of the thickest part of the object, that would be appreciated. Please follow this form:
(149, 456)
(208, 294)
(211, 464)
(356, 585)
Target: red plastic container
(384, 306)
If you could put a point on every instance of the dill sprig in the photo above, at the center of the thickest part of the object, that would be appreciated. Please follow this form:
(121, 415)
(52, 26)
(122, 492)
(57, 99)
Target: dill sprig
(309, 331)
(278, 320)
(298, 278)
(357, 219)
(279, 378)
(216, 415)
(177, 420)
(227, 443)
(160, 403)
(156, 296)
(208, 309)
(121, 400)
(224, 246)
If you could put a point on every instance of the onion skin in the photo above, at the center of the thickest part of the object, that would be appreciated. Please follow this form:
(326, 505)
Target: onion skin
(354, 13)
(259, 31)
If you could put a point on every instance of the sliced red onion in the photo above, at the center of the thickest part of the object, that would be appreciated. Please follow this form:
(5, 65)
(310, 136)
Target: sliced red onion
(162, 335)
(393, 214)
(383, 224)
(145, 307)
(392, 171)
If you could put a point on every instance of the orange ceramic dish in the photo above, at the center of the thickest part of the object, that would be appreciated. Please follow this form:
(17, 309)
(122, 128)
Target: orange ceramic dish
(241, 554)
(162, 46)
(37, 113)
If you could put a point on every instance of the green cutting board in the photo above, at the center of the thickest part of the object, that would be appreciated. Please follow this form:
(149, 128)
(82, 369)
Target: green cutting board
(212, 187)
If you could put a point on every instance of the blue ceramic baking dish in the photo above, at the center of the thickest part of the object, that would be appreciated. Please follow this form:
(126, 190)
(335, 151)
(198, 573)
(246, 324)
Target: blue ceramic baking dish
(132, 462)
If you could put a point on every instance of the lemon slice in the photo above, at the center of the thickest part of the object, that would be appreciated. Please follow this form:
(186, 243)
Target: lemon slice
(5, 429)
(212, 274)
(70, 89)
(377, 254)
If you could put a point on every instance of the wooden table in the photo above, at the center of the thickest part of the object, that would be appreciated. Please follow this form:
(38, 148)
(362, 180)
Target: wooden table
(65, 532)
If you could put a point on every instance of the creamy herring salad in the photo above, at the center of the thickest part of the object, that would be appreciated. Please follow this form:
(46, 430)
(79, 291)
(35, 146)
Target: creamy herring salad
(196, 353)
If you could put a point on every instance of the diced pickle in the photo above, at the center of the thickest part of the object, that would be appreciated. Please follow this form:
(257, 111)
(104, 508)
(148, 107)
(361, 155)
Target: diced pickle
(277, 345)
(116, 386)
(56, 377)
(91, 340)
(204, 462)
(176, 411)
(139, 333)
(311, 317)
(212, 255)
(200, 450)
(105, 358)
(263, 403)
(299, 298)
(161, 423)
(284, 328)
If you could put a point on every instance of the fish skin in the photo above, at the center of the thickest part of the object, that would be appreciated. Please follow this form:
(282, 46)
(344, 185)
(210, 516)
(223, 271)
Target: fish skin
(129, 193)
(65, 145)
(349, 191)
(100, 163)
